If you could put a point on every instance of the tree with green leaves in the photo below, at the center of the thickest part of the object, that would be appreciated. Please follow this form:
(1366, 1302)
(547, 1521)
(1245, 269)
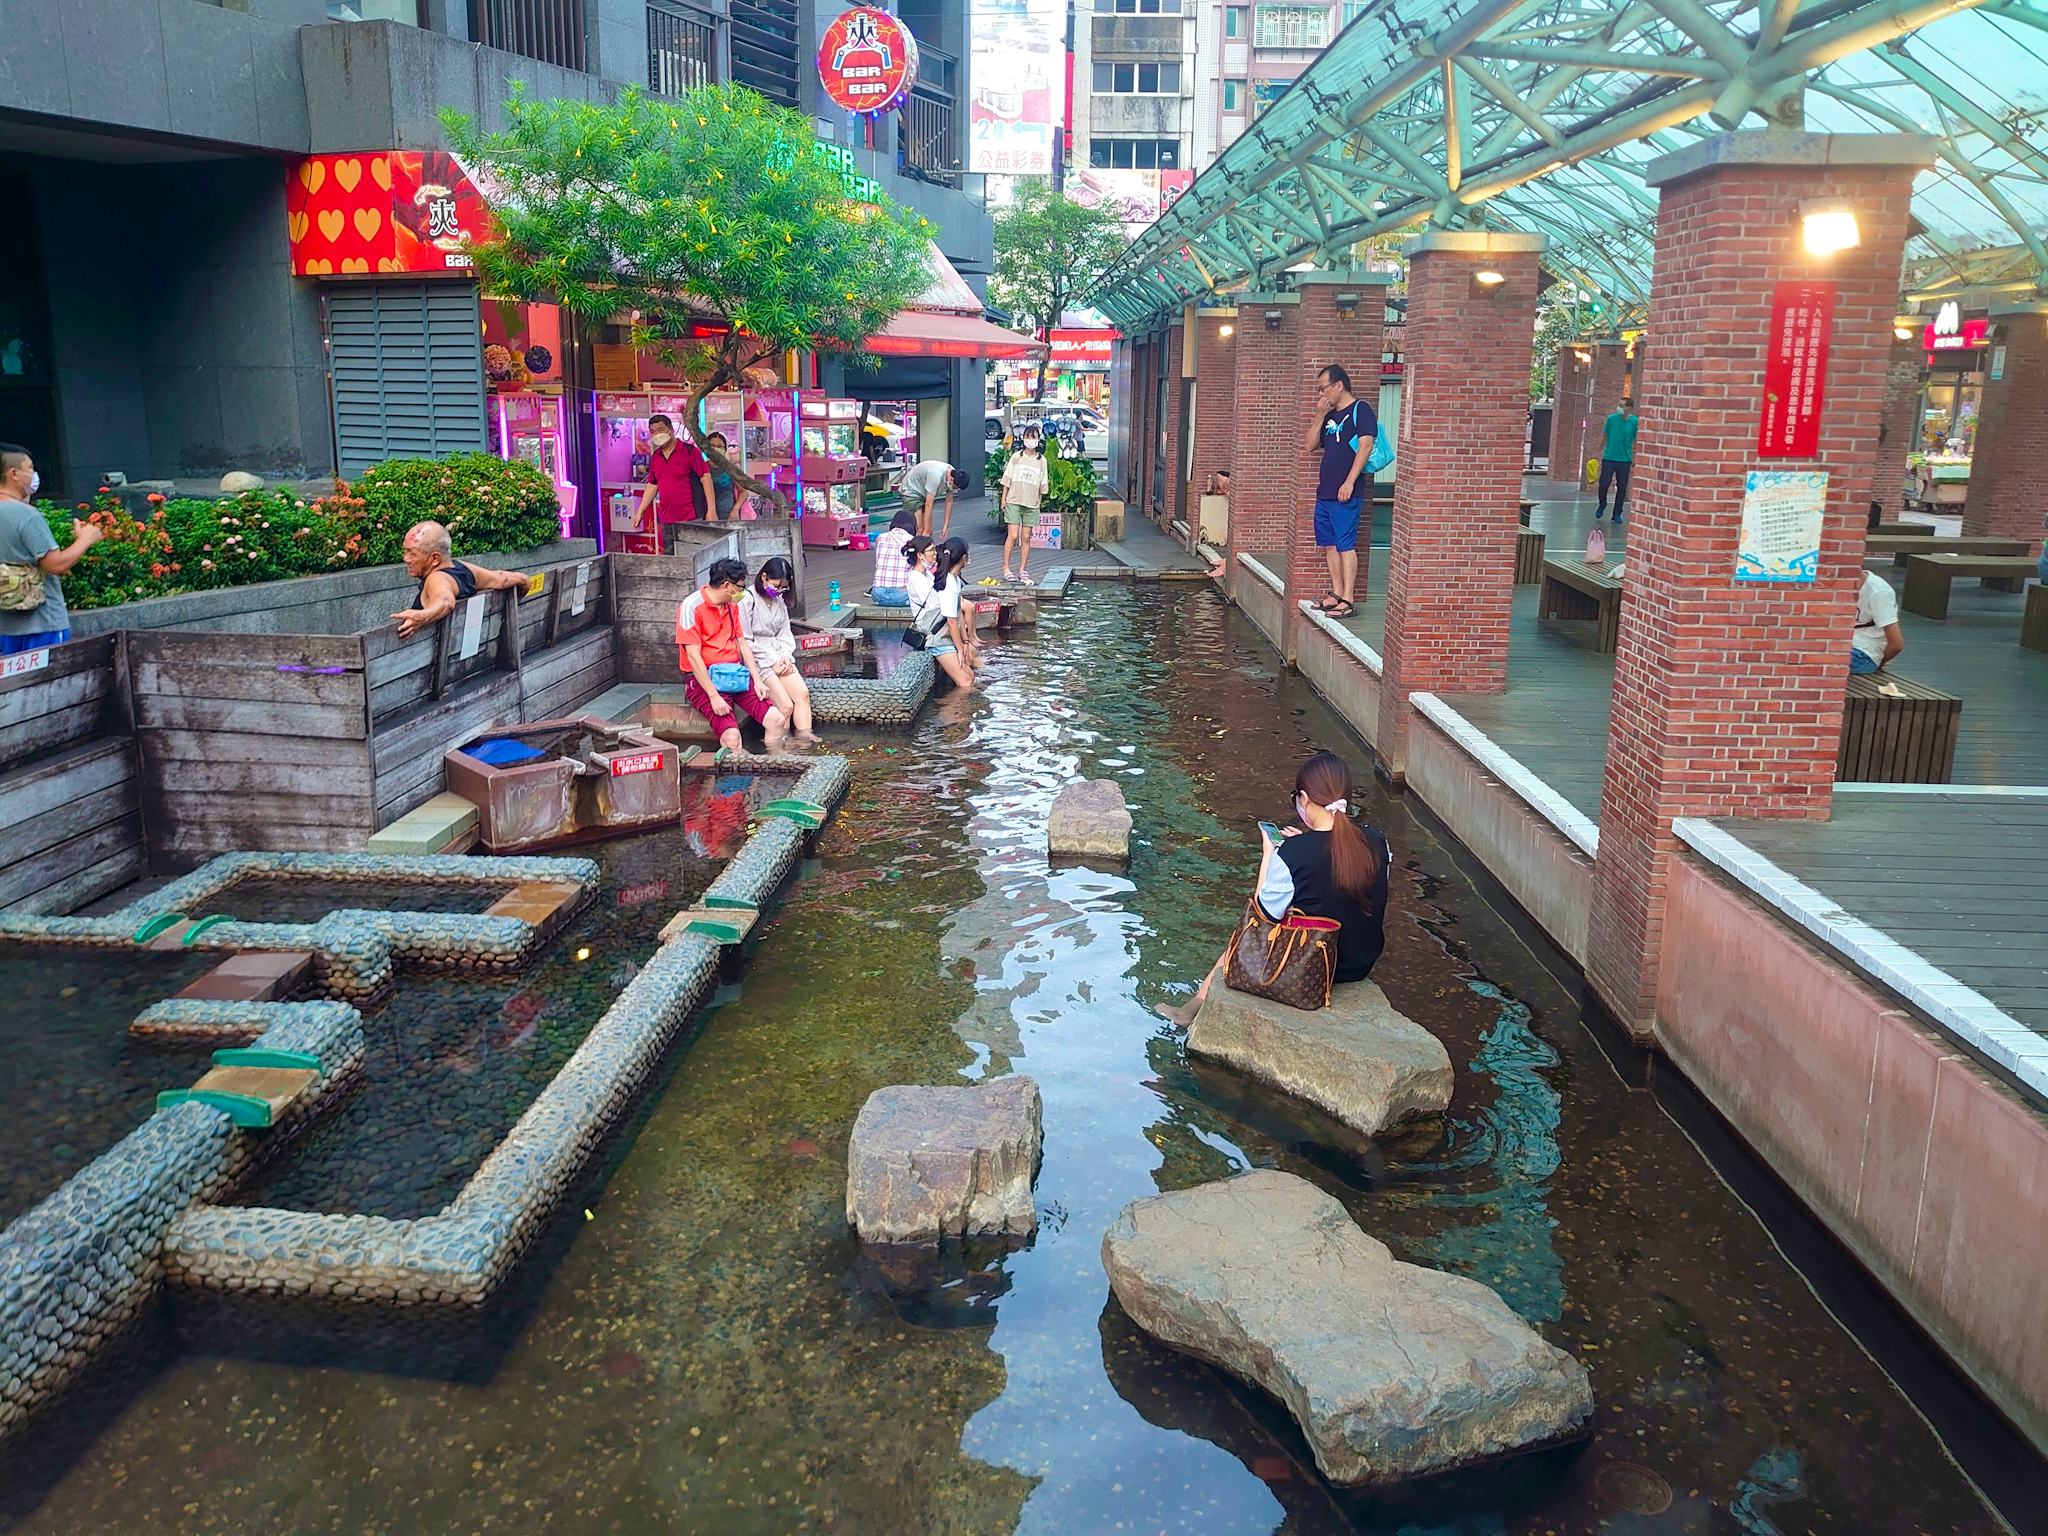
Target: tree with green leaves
(711, 220)
(1050, 250)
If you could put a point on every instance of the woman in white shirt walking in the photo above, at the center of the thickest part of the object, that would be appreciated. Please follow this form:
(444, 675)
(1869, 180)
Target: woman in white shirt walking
(764, 620)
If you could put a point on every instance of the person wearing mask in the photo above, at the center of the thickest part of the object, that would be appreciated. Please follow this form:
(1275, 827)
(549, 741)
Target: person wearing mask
(892, 567)
(1025, 477)
(678, 480)
(764, 621)
(724, 494)
(944, 618)
(1329, 866)
(923, 556)
(32, 611)
(921, 486)
(429, 556)
(719, 665)
(1877, 638)
(1617, 459)
(1342, 433)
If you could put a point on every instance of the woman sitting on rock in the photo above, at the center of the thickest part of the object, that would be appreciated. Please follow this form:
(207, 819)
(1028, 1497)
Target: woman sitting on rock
(1331, 866)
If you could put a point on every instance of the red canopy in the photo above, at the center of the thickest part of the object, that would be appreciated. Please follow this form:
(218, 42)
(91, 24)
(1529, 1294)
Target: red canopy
(925, 333)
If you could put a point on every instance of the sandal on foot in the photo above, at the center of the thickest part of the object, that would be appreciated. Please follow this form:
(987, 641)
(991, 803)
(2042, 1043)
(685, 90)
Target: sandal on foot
(1343, 610)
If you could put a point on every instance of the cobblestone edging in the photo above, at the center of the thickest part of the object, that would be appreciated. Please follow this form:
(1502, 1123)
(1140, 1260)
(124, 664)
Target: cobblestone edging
(460, 1255)
(891, 700)
(77, 1269)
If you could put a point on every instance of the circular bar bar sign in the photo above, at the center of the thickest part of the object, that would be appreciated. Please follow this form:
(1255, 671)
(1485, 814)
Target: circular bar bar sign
(867, 61)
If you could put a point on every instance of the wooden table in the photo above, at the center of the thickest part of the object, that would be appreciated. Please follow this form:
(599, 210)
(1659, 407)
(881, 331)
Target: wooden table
(1903, 529)
(1928, 577)
(1575, 590)
(1528, 558)
(1901, 545)
(1897, 731)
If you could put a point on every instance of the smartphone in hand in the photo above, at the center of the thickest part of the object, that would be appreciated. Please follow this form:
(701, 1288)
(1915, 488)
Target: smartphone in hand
(1270, 832)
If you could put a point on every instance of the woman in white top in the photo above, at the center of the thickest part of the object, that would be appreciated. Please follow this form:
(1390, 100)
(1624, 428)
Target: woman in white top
(764, 620)
(945, 619)
(923, 555)
(1025, 478)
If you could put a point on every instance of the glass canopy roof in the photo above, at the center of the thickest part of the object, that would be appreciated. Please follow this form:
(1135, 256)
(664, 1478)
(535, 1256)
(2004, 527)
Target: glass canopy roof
(1541, 114)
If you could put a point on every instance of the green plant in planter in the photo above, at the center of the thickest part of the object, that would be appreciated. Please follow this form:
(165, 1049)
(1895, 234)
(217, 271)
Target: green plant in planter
(133, 559)
(992, 470)
(487, 503)
(1070, 483)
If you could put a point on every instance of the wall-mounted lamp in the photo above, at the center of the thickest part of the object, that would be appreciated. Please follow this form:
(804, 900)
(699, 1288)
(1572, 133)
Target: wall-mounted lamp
(1827, 227)
(1582, 356)
(1902, 333)
(1226, 331)
(1273, 318)
(1486, 277)
(1347, 304)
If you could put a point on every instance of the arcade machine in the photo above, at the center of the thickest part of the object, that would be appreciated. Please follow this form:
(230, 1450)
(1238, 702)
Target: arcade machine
(622, 453)
(760, 426)
(833, 471)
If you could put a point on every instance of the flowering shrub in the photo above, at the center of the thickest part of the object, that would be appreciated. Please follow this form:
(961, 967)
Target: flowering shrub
(196, 544)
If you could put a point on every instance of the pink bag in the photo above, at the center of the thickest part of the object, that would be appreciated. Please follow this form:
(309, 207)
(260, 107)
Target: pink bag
(1596, 547)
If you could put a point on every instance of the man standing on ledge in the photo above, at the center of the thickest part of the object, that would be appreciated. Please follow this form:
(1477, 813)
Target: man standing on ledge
(444, 581)
(1617, 459)
(1344, 436)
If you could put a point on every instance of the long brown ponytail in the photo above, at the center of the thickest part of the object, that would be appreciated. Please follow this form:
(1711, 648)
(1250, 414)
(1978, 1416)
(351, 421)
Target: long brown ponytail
(1326, 779)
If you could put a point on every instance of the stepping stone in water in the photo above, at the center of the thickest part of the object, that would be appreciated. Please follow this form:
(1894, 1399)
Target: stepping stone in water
(1089, 821)
(1357, 1060)
(1391, 1370)
(253, 976)
(927, 1163)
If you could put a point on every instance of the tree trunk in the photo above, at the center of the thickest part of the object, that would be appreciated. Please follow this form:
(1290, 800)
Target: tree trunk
(729, 370)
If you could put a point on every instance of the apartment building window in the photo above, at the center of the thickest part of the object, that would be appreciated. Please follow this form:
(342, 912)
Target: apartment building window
(1139, 79)
(1233, 21)
(1233, 95)
(1290, 26)
(1134, 154)
(1137, 7)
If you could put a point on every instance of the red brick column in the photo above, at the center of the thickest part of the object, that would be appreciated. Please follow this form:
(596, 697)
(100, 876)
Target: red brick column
(1727, 695)
(1458, 473)
(1568, 414)
(1898, 431)
(1167, 494)
(2010, 467)
(1215, 402)
(1145, 373)
(1609, 382)
(1269, 472)
(1352, 334)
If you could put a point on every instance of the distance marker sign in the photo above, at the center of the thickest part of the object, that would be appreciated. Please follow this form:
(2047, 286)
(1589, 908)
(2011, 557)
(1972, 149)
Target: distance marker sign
(867, 61)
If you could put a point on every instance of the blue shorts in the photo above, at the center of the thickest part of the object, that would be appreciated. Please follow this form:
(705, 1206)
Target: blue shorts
(890, 597)
(1860, 664)
(14, 645)
(1337, 524)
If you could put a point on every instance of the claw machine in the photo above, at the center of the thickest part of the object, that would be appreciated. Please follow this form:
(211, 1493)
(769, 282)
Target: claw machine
(833, 471)
(623, 450)
(760, 431)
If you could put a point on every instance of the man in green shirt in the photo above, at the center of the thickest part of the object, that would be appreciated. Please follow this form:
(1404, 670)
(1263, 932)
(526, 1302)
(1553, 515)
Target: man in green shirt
(1617, 459)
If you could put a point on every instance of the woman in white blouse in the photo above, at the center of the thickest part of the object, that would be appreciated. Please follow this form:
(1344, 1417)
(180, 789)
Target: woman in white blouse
(764, 620)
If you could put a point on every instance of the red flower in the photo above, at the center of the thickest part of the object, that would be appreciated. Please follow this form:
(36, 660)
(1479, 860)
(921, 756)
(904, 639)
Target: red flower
(155, 496)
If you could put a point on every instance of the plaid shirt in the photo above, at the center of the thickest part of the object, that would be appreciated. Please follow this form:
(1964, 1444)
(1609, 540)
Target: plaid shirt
(891, 569)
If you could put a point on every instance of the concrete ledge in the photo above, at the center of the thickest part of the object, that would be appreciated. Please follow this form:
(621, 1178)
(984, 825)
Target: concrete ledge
(1347, 642)
(1476, 242)
(1348, 680)
(431, 828)
(1787, 147)
(1538, 795)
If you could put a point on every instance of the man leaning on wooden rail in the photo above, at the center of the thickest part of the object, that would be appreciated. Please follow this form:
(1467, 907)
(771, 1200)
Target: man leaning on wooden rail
(444, 580)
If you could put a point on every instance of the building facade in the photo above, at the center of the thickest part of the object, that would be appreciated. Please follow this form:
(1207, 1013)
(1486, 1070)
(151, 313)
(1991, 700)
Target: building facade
(150, 319)
(1246, 55)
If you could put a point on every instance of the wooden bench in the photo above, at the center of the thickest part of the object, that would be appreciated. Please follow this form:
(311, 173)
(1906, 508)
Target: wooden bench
(1928, 578)
(1900, 546)
(1897, 731)
(1528, 558)
(2034, 622)
(1575, 590)
(1903, 529)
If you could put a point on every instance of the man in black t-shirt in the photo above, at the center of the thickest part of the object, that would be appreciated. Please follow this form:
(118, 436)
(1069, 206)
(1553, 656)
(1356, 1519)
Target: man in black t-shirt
(1343, 434)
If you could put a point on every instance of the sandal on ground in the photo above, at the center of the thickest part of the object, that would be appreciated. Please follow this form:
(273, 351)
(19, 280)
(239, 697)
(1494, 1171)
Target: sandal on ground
(1328, 601)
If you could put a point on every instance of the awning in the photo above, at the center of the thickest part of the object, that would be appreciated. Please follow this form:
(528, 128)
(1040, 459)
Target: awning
(923, 333)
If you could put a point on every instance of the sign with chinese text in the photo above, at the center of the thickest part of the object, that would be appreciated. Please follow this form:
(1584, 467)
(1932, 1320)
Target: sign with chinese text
(1018, 68)
(1782, 511)
(24, 661)
(1796, 370)
(867, 61)
(404, 210)
(639, 762)
(1083, 350)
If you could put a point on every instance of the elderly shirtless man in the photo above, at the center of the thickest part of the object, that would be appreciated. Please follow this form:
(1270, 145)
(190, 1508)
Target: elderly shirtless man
(444, 580)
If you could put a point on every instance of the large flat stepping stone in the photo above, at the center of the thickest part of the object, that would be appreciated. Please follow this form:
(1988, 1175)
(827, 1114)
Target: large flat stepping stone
(1392, 1371)
(928, 1163)
(1089, 821)
(1357, 1060)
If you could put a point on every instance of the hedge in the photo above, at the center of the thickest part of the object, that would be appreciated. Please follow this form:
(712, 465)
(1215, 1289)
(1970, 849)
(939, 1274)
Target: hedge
(193, 544)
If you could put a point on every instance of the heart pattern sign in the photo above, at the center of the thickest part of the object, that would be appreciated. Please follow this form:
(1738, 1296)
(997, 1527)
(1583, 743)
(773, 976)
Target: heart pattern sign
(401, 210)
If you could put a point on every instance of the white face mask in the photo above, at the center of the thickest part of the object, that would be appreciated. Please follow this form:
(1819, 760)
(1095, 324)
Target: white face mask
(35, 482)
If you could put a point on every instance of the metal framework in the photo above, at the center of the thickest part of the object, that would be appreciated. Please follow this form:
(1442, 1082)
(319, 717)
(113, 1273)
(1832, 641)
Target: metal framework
(1542, 114)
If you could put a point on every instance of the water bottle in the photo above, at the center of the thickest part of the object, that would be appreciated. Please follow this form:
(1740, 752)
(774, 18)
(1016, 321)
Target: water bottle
(833, 597)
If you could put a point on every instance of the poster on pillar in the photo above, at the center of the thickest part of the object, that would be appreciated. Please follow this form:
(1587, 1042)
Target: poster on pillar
(1796, 370)
(1782, 512)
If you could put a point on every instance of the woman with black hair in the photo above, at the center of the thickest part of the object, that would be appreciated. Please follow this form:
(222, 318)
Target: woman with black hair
(944, 618)
(764, 620)
(892, 567)
(1330, 866)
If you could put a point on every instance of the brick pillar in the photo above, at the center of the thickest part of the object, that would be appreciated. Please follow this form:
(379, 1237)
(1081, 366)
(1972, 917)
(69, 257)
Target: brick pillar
(1606, 384)
(1141, 426)
(1352, 334)
(1898, 431)
(2011, 460)
(1166, 495)
(1568, 413)
(1268, 469)
(1215, 402)
(1727, 695)
(1458, 475)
